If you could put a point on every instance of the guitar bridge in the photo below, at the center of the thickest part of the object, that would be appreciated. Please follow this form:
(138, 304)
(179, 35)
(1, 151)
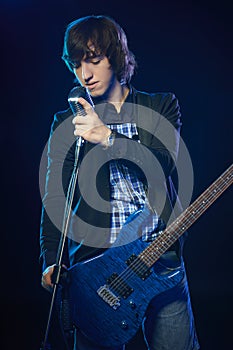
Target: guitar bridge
(109, 297)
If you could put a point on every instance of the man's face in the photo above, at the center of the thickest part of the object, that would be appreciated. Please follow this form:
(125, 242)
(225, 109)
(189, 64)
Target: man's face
(96, 74)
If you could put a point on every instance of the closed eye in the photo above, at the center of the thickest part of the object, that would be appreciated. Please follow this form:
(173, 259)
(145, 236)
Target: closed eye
(96, 62)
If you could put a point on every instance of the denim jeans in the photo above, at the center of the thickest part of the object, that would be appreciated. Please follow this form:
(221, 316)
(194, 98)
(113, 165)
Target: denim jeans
(168, 323)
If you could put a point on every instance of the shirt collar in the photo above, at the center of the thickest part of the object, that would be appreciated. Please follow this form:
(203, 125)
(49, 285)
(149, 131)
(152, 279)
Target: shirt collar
(109, 115)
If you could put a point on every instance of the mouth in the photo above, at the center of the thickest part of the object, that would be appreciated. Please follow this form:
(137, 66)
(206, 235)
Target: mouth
(91, 86)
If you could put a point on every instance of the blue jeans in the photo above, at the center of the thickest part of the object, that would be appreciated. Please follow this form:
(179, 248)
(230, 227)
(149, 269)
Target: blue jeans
(168, 323)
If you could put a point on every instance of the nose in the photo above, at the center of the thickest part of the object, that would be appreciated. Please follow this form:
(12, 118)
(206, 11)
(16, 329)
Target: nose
(86, 72)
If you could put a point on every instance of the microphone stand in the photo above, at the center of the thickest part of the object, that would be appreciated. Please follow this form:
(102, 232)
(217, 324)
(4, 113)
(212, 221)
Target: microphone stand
(58, 269)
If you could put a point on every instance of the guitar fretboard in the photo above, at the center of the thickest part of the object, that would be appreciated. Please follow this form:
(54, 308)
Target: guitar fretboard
(175, 230)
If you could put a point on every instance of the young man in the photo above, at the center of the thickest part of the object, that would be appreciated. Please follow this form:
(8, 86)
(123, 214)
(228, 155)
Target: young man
(130, 146)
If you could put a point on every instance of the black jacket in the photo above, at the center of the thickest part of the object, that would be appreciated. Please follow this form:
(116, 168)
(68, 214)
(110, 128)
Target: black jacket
(157, 117)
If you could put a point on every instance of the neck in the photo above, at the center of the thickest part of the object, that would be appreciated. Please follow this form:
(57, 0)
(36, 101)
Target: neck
(117, 95)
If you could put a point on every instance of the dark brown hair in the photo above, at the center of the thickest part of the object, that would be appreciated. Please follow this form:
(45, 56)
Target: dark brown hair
(108, 39)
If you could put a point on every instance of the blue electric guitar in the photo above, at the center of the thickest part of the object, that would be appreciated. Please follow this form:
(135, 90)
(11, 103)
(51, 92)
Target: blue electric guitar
(111, 292)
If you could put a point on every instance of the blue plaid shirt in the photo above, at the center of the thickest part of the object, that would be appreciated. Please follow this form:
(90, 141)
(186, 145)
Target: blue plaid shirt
(127, 192)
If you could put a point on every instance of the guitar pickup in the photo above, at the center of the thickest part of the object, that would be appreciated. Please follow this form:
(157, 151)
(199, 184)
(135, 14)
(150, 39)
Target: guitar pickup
(138, 267)
(116, 283)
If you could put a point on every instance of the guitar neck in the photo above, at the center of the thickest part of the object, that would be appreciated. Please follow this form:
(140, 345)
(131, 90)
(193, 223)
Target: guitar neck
(175, 230)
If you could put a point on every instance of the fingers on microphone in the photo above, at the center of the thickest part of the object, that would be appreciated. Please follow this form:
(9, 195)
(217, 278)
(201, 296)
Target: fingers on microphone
(86, 105)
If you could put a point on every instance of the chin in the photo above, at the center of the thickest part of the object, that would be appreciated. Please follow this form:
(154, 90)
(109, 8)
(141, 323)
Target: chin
(96, 93)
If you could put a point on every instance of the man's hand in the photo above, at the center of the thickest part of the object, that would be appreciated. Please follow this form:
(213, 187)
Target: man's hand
(46, 280)
(90, 127)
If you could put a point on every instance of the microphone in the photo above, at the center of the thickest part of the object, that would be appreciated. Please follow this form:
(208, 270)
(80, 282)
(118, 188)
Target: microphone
(76, 107)
(75, 93)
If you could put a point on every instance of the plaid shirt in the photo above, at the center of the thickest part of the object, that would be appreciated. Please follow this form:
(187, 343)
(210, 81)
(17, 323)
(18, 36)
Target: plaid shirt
(127, 192)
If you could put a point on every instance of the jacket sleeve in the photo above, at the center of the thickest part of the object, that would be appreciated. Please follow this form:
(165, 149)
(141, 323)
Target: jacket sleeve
(166, 134)
(60, 156)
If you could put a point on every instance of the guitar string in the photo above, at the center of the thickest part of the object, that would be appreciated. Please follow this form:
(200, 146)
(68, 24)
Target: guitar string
(121, 285)
(213, 192)
(211, 195)
(174, 228)
(180, 230)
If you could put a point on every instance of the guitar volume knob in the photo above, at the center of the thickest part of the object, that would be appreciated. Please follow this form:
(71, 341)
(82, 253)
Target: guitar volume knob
(124, 324)
(132, 304)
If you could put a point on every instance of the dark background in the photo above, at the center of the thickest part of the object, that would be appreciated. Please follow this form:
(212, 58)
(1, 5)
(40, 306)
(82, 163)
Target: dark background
(180, 46)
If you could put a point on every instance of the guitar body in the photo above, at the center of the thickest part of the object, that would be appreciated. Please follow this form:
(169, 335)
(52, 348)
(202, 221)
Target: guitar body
(109, 298)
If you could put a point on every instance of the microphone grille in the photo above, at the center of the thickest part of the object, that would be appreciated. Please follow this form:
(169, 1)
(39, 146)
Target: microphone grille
(75, 93)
